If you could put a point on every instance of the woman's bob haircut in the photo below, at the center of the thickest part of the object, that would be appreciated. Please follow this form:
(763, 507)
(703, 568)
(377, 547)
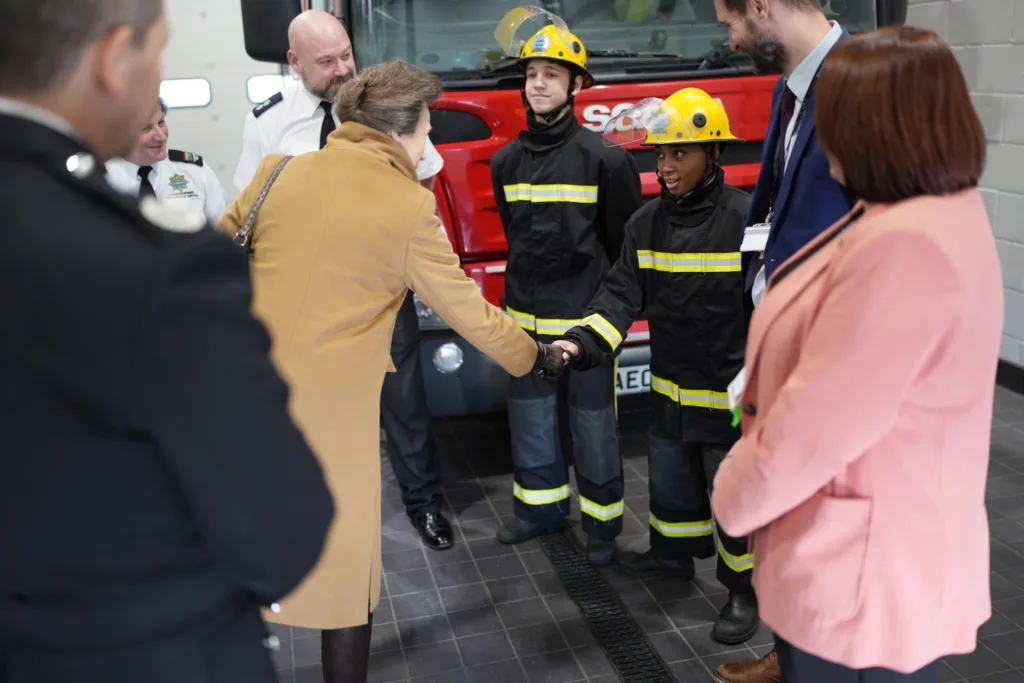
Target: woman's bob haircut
(894, 110)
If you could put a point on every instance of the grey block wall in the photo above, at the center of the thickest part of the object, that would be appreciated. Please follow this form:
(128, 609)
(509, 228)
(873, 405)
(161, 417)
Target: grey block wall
(988, 38)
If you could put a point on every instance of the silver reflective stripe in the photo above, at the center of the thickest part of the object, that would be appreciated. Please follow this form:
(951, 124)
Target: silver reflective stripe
(602, 512)
(689, 263)
(681, 529)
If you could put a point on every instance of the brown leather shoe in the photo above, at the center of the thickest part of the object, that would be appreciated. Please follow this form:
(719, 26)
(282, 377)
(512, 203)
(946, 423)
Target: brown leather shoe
(764, 670)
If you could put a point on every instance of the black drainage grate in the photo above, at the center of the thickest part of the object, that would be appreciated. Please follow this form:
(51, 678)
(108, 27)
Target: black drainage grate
(628, 649)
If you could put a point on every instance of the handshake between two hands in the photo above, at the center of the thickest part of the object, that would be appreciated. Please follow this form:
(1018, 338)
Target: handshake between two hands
(552, 358)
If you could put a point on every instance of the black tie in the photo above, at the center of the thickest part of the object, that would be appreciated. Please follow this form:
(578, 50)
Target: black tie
(328, 125)
(145, 187)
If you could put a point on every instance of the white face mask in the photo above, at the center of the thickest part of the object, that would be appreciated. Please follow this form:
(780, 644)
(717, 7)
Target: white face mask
(757, 292)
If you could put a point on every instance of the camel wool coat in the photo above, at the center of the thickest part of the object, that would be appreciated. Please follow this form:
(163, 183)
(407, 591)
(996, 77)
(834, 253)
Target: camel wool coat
(342, 236)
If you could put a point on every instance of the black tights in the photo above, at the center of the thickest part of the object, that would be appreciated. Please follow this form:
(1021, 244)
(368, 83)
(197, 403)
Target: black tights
(346, 653)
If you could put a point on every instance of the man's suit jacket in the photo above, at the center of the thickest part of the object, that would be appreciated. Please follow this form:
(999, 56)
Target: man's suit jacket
(154, 490)
(809, 199)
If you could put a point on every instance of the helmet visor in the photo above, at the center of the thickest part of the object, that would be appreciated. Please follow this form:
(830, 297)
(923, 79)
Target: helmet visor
(521, 24)
(651, 118)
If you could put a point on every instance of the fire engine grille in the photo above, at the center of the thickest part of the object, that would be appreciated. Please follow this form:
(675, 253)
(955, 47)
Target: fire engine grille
(628, 649)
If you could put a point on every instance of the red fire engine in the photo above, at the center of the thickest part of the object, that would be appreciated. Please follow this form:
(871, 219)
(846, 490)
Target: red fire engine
(637, 49)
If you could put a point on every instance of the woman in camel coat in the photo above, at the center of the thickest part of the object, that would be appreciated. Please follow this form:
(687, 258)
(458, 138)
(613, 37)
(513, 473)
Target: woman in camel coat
(342, 236)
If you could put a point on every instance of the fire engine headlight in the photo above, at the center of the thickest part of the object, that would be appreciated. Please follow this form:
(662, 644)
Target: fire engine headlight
(448, 358)
(428, 319)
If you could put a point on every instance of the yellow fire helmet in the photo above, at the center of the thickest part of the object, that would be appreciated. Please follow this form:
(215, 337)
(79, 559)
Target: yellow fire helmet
(688, 117)
(532, 33)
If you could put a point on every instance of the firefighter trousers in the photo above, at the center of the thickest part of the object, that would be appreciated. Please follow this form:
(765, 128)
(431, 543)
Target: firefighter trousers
(542, 434)
(681, 478)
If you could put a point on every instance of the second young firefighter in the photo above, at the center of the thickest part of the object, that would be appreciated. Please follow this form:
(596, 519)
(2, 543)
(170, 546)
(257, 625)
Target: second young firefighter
(680, 264)
(564, 198)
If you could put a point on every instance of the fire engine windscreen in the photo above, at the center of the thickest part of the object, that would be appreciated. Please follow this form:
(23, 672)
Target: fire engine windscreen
(456, 38)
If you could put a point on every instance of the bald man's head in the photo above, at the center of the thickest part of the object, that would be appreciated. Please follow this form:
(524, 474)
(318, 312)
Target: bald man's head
(320, 52)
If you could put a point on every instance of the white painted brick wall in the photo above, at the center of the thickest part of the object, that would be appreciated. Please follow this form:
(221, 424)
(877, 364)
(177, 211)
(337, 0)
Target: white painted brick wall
(988, 38)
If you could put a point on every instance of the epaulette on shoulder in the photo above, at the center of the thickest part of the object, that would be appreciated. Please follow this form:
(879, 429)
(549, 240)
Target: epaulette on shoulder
(187, 157)
(261, 108)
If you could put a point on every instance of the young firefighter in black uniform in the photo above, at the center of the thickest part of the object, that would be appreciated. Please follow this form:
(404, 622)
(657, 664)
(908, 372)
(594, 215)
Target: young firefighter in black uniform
(564, 197)
(680, 264)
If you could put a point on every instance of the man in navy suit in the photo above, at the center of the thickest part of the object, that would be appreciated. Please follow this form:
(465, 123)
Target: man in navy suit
(795, 195)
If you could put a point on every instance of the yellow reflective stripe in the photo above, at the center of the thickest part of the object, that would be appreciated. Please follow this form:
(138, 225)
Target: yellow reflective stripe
(573, 194)
(737, 563)
(695, 398)
(681, 529)
(524, 320)
(602, 512)
(540, 496)
(600, 324)
(547, 326)
(728, 262)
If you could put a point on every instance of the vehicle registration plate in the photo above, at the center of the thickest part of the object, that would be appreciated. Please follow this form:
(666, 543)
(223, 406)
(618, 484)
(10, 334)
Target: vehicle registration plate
(635, 379)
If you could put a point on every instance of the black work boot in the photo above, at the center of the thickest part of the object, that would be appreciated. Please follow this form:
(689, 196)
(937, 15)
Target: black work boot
(600, 553)
(518, 530)
(737, 622)
(650, 565)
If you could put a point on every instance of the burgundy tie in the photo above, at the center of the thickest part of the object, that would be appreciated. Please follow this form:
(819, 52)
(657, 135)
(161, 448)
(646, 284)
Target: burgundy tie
(785, 116)
(786, 109)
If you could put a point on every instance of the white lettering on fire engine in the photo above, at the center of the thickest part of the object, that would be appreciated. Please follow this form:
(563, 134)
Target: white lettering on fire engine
(597, 116)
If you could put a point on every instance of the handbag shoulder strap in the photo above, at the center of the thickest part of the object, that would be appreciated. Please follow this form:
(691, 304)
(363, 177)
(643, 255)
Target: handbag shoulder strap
(244, 235)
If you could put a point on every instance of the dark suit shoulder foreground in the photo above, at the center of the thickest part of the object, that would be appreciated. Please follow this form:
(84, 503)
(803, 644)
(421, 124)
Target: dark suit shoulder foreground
(155, 493)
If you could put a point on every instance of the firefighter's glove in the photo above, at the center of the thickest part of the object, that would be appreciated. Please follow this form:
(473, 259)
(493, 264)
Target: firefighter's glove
(550, 362)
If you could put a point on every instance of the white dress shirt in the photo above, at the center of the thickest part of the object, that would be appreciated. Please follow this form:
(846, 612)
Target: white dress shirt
(173, 181)
(799, 83)
(292, 126)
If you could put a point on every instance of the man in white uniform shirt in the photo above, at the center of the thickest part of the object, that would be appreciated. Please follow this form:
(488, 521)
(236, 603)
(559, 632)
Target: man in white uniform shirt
(299, 118)
(152, 169)
(297, 121)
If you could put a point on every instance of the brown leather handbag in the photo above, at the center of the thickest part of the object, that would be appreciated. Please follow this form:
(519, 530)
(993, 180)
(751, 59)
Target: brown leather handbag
(243, 237)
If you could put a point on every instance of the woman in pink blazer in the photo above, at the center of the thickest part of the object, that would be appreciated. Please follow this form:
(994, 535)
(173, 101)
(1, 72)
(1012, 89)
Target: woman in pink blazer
(869, 385)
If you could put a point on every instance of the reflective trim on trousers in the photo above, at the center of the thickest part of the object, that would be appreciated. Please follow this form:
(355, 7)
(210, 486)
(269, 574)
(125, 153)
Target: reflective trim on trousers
(603, 513)
(681, 529)
(540, 497)
(737, 563)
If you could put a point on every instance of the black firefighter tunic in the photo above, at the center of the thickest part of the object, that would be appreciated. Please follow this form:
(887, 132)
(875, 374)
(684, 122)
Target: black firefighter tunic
(680, 265)
(564, 198)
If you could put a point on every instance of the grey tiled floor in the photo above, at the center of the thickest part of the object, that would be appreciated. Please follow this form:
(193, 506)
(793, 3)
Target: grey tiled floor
(487, 613)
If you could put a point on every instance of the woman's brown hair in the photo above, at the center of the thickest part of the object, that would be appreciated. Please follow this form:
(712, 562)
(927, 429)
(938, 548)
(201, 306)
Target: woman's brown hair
(894, 110)
(388, 97)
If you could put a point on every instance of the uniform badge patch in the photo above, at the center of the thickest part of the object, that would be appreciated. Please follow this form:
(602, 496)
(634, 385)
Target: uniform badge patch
(174, 216)
(178, 183)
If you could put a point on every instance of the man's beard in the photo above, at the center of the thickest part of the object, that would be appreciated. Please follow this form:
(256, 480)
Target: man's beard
(325, 93)
(768, 55)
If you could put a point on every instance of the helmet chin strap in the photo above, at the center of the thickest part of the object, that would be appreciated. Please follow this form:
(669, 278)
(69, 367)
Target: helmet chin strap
(546, 120)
